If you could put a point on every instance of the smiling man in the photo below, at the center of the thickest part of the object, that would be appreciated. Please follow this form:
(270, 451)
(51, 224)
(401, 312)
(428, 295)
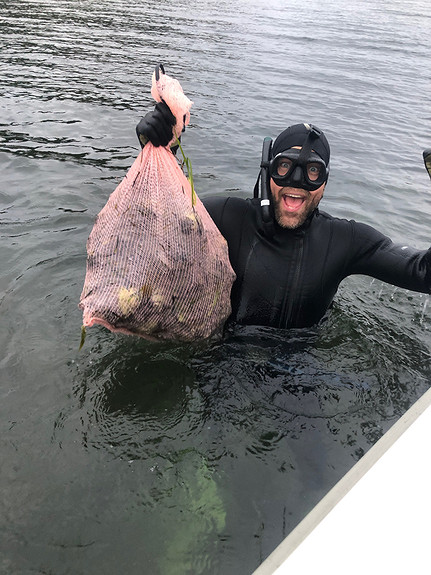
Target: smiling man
(289, 257)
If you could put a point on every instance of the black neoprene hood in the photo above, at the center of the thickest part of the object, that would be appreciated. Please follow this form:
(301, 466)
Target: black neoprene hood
(296, 136)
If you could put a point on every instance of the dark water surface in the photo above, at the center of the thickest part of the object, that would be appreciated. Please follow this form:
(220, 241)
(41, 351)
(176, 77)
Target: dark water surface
(196, 459)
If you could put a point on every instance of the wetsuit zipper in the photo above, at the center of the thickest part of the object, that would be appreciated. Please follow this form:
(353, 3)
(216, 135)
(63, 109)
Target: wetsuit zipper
(286, 319)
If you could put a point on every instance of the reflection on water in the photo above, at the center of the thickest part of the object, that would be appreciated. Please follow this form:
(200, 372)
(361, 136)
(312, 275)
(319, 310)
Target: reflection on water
(163, 458)
(236, 440)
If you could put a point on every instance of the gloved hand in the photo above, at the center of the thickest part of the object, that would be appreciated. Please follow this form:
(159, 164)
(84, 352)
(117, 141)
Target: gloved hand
(156, 126)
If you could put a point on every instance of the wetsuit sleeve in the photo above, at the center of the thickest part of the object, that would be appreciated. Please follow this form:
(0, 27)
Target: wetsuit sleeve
(375, 255)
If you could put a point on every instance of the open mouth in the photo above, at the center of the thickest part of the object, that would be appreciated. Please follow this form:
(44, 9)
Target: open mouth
(293, 202)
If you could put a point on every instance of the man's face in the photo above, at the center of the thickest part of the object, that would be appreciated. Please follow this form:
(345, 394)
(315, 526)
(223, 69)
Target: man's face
(292, 206)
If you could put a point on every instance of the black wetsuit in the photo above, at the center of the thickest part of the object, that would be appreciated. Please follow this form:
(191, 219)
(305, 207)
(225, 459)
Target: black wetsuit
(288, 278)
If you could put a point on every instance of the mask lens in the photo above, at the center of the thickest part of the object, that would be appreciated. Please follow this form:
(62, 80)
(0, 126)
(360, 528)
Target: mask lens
(314, 171)
(284, 165)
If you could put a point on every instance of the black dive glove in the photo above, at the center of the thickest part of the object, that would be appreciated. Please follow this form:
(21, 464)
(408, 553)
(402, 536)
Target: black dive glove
(156, 126)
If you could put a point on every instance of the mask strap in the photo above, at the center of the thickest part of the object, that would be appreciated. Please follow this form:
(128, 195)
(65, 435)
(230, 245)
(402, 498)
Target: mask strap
(313, 134)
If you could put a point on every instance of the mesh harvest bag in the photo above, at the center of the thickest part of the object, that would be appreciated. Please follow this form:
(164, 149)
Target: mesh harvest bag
(157, 266)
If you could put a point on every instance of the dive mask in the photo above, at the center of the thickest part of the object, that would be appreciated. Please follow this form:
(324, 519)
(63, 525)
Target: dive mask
(295, 169)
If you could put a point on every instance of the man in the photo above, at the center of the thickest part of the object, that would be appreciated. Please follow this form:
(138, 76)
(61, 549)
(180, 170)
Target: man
(288, 256)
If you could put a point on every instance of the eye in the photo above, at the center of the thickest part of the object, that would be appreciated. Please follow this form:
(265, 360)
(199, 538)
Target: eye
(313, 171)
(284, 166)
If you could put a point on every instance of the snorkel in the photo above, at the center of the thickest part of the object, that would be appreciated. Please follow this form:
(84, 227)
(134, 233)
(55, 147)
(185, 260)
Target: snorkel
(265, 193)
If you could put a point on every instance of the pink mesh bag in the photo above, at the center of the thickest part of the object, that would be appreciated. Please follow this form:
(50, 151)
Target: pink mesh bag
(157, 266)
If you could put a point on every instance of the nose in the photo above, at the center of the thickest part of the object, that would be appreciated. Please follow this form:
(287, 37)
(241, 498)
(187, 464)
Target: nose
(297, 175)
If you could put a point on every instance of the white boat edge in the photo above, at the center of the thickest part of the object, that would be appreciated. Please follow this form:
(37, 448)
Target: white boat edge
(382, 503)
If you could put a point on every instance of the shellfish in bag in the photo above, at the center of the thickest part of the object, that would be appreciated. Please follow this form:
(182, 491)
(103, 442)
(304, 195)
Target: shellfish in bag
(157, 266)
